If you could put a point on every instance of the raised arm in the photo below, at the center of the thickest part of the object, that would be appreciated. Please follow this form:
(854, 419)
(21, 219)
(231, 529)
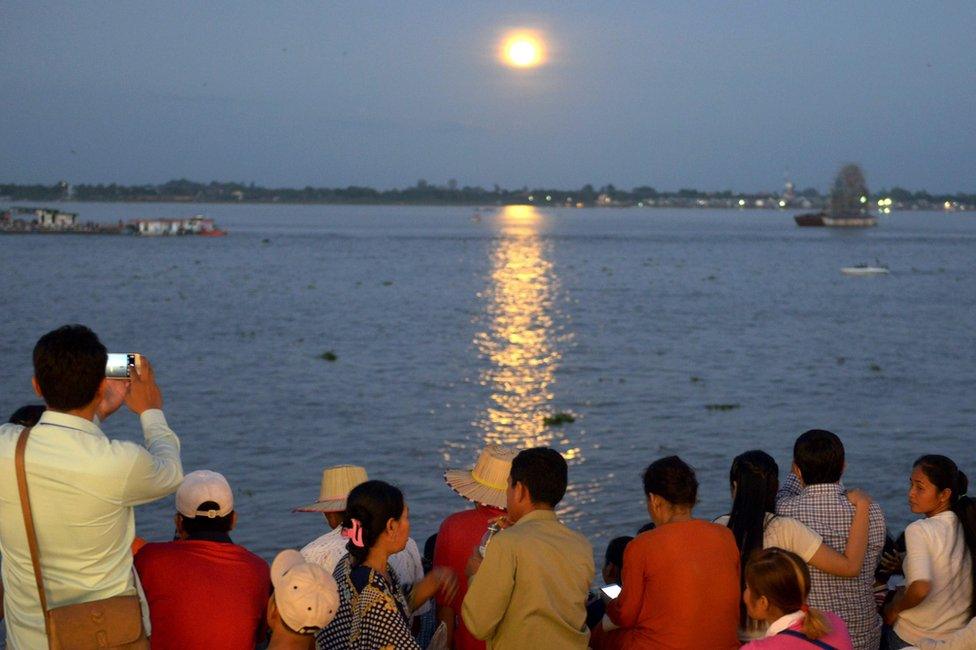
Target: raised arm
(789, 490)
(849, 564)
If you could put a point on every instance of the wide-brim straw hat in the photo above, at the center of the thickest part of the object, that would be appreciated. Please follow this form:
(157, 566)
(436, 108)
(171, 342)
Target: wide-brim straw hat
(337, 482)
(487, 481)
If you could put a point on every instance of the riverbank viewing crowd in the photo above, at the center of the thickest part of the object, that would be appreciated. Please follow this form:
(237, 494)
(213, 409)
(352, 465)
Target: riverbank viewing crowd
(801, 562)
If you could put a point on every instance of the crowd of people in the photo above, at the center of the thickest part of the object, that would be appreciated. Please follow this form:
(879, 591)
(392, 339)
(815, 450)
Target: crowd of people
(800, 564)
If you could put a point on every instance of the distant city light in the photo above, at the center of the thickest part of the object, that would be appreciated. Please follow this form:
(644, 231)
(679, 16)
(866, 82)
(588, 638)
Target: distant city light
(548, 197)
(742, 202)
(864, 199)
(531, 198)
(782, 203)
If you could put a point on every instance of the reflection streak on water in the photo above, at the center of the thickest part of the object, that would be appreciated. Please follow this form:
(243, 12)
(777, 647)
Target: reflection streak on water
(519, 341)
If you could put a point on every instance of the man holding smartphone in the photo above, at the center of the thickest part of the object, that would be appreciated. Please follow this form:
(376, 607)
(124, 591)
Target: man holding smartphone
(82, 485)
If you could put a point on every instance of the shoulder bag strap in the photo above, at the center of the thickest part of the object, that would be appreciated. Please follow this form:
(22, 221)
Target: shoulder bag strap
(29, 518)
(801, 635)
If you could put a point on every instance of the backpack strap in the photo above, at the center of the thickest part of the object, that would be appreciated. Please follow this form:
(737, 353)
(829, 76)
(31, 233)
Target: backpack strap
(25, 507)
(801, 635)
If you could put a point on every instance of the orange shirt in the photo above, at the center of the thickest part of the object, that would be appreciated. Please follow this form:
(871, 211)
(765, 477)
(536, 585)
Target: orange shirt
(680, 589)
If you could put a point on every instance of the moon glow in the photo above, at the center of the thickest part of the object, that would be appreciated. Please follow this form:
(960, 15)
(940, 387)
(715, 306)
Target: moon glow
(523, 50)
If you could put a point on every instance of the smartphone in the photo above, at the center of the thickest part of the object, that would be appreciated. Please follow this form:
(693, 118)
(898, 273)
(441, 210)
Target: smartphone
(610, 591)
(119, 364)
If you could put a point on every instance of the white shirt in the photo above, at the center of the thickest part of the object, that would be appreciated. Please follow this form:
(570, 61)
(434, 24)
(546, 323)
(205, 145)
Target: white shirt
(82, 489)
(786, 533)
(964, 639)
(936, 552)
(327, 550)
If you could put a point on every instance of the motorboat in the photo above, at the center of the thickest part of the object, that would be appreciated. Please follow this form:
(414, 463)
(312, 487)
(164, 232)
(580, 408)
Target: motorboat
(865, 269)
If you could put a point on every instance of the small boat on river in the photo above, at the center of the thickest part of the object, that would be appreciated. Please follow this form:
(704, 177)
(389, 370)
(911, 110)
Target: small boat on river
(865, 269)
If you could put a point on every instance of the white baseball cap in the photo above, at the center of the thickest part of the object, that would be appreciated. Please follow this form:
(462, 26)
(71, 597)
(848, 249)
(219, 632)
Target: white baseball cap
(199, 487)
(306, 596)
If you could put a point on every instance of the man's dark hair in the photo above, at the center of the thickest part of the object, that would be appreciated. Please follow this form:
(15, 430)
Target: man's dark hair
(615, 551)
(819, 455)
(672, 479)
(69, 364)
(203, 524)
(543, 472)
(27, 415)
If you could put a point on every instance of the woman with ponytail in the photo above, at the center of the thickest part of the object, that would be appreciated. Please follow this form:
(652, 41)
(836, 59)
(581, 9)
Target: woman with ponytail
(754, 481)
(777, 586)
(374, 607)
(940, 561)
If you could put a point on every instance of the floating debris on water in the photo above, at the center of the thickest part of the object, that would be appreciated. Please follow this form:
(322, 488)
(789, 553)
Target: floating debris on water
(265, 241)
(722, 407)
(329, 355)
(558, 419)
(387, 283)
(694, 379)
(841, 360)
(875, 367)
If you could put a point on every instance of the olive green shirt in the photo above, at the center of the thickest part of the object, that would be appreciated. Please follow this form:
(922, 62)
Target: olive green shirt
(531, 588)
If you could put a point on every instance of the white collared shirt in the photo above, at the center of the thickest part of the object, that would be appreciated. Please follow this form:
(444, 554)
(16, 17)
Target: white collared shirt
(784, 623)
(82, 489)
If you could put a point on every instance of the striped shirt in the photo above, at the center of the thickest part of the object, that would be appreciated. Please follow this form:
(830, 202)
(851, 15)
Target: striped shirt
(824, 508)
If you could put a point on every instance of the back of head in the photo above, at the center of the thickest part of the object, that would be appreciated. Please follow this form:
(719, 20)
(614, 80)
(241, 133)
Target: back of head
(754, 480)
(673, 480)
(371, 504)
(784, 579)
(69, 365)
(543, 472)
(819, 455)
(615, 551)
(205, 502)
(28, 415)
(944, 474)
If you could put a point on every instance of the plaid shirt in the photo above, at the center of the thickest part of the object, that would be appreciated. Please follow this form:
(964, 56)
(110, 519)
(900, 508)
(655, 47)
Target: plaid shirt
(825, 509)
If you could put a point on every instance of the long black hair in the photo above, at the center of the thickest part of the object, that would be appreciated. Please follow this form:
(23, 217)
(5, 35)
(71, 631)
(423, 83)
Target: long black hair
(754, 477)
(372, 504)
(945, 474)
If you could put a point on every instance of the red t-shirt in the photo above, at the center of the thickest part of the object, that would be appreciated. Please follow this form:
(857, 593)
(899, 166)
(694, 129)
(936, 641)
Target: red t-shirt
(456, 540)
(203, 594)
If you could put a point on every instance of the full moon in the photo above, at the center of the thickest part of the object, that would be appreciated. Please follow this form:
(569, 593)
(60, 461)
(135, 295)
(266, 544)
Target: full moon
(523, 50)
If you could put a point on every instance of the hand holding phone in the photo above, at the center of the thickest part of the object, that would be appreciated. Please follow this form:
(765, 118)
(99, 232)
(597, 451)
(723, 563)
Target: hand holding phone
(610, 592)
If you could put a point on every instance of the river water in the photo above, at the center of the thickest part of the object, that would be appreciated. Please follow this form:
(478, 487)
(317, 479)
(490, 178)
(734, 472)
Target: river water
(700, 333)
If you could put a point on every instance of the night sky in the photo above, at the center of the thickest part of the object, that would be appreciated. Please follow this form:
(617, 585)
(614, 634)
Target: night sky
(693, 94)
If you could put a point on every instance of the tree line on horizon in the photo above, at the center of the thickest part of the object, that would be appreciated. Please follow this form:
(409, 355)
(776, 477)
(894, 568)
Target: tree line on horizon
(420, 193)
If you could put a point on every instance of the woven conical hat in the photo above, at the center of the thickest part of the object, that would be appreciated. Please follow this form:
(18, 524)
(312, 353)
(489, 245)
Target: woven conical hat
(487, 481)
(337, 482)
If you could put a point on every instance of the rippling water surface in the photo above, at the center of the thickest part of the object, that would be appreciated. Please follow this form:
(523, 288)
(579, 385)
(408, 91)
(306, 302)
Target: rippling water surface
(692, 332)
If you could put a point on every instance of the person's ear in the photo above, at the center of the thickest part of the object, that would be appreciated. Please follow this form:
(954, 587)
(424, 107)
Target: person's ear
(180, 531)
(37, 387)
(945, 496)
(233, 520)
(798, 473)
(522, 493)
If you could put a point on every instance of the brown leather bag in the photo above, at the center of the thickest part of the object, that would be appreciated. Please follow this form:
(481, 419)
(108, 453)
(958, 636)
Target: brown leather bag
(108, 623)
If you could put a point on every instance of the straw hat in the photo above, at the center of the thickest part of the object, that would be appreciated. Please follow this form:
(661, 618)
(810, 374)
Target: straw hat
(487, 481)
(337, 482)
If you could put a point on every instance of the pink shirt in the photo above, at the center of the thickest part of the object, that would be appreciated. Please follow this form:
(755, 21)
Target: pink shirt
(837, 637)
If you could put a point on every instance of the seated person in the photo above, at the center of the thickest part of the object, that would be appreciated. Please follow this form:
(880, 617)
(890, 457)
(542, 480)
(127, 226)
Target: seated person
(680, 581)
(754, 482)
(304, 601)
(613, 562)
(777, 587)
(203, 590)
(941, 557)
